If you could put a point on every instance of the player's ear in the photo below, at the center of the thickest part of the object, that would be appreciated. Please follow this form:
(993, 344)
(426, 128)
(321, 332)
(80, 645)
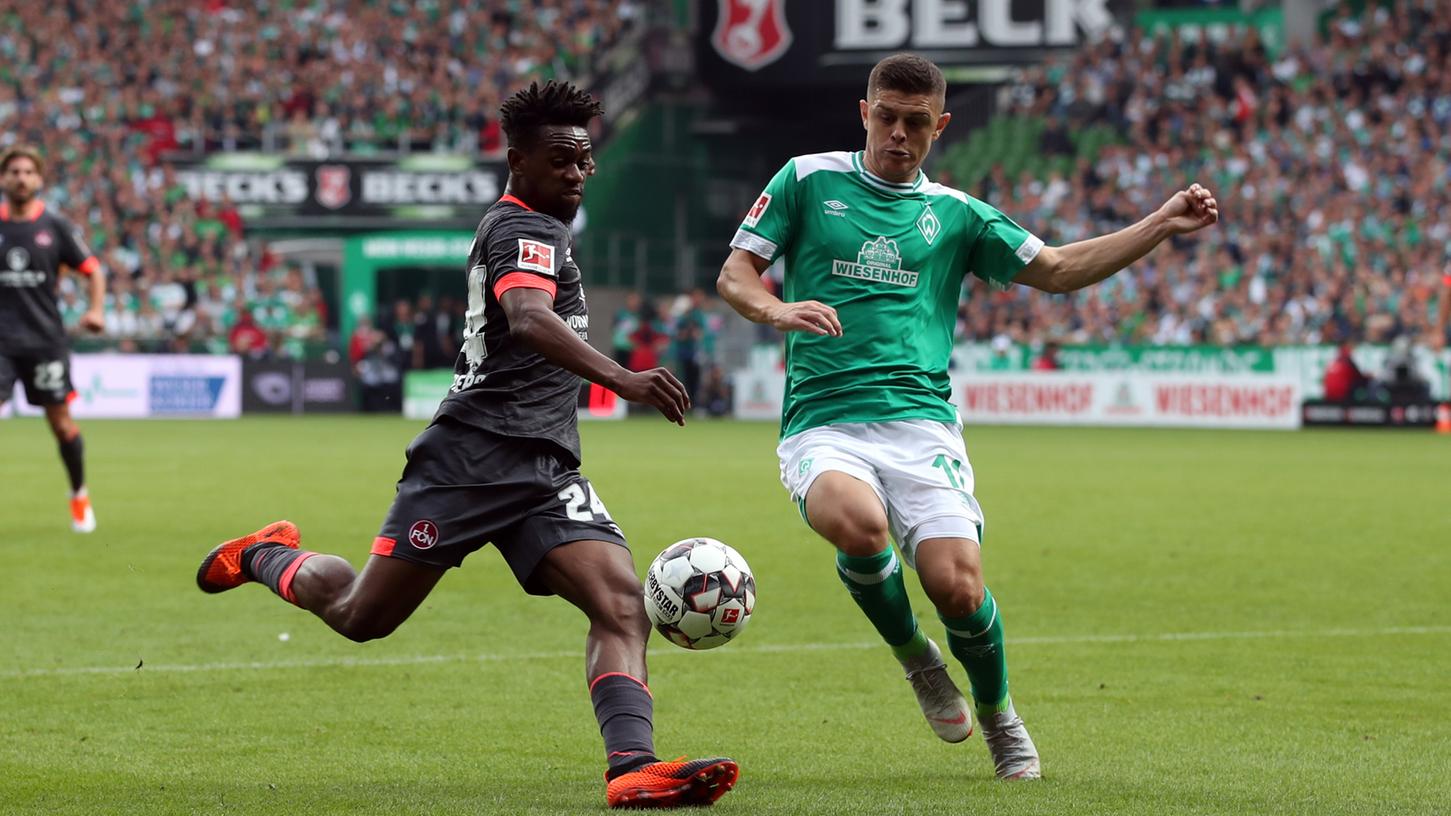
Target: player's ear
(862, 104)
(941, 124)
(515, 159)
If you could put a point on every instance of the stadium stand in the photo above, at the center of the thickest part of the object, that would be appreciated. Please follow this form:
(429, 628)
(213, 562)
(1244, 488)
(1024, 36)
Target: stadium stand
(1330, 163)
(311, 79)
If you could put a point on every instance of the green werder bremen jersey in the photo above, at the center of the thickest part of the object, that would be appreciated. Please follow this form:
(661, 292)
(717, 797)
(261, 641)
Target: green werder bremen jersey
(890, 258)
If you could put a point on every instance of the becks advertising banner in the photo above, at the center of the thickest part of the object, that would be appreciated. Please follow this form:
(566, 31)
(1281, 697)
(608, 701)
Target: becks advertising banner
(775, 43)
(276, 191)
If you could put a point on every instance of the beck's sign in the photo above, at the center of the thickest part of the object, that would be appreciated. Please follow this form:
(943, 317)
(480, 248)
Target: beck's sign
(268, 187)
(813, 42)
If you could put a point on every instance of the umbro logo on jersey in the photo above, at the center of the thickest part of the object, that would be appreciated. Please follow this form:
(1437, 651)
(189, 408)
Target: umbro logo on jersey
(834, 207)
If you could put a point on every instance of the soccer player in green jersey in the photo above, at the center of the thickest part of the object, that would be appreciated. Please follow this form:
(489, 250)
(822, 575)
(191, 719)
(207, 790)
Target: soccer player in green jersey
(871, 448)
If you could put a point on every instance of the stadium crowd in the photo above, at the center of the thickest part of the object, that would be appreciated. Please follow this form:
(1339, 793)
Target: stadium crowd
(1331, 163)
(112, 91)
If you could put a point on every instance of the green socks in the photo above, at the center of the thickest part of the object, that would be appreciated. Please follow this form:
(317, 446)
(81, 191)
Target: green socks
(977, 641)
(875, 582)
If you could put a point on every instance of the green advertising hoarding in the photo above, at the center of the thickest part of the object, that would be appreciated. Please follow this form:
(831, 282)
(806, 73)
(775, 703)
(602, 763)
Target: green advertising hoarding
(1306, 363)
(1217, 24)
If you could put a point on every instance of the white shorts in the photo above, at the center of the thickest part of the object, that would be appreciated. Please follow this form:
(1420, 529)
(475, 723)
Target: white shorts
(917, 467)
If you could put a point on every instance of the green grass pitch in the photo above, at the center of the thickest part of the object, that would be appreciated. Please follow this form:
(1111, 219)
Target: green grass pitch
(1198, 622)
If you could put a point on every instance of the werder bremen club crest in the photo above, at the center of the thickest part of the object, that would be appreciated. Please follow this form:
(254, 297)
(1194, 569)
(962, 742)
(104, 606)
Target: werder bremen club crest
(879, 260)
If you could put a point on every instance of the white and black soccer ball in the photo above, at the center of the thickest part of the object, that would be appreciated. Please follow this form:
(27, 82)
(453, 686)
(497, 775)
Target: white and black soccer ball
(699, 593)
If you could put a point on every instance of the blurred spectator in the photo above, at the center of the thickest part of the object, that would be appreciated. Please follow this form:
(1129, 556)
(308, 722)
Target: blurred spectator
(647, 340)
(246, 337)
(431, 328)
(1343, 378)
(686, 344)
(400, 331)
(627, 320)
(380, 378)
(1401, 382)
(715, 393)
(1442, 337)
(361, 342)
(1048, 359)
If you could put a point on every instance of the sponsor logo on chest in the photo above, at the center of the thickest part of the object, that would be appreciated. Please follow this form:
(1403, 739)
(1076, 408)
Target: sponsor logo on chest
(16, 273)
(880, 261)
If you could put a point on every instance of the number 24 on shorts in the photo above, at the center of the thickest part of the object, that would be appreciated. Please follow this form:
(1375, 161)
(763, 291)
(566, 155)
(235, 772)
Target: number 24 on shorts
(581, 503)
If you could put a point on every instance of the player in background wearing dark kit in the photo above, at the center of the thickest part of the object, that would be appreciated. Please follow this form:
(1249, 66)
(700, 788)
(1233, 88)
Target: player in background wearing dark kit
(499, 462)
(35, 244)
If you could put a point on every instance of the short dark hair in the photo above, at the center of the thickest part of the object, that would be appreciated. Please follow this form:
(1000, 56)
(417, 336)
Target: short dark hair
(907, 73)
(557, 103)
(22, 152)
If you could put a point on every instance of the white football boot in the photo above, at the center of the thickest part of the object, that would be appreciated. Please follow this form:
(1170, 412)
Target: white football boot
(1014, 755)
(942, 704)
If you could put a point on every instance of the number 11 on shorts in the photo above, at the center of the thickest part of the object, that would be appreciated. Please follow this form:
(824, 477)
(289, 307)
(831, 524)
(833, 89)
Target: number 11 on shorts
(951, 468)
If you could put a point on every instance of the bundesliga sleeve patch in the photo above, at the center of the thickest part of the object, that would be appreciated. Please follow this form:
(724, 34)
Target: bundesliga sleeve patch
(536, 256)
(758, 209)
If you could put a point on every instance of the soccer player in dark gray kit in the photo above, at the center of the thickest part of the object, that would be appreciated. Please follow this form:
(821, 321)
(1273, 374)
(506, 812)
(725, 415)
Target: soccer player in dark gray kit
(499, 464)
(35, 245)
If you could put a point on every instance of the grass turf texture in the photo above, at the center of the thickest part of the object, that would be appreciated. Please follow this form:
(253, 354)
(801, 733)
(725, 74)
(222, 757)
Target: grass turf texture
(1125, 563)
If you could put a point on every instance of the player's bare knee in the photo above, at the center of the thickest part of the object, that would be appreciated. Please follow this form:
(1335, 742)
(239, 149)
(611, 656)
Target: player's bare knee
(63, 427)
(956, 595)
(859, 533)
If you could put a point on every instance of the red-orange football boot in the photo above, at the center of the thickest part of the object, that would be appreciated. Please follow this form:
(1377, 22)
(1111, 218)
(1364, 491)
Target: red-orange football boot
(221, 570)
(83, 518)
(673, 784)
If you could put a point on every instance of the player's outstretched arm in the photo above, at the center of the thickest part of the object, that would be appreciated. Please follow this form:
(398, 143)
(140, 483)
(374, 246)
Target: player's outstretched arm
(1084, 263)
(740, 285)
(95, 317)
(532, 320)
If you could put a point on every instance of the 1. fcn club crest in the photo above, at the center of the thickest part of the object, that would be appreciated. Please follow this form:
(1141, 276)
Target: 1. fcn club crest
(334, 185)
(751, 33)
